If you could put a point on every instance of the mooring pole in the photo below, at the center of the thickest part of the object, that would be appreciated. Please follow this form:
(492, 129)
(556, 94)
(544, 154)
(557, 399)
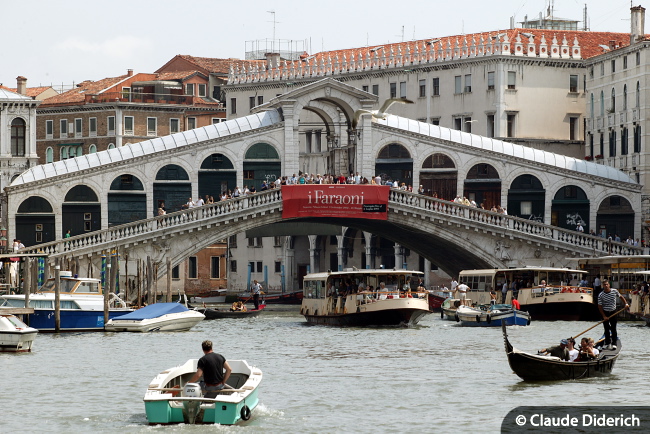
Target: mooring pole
(107, 291)
(57, 297)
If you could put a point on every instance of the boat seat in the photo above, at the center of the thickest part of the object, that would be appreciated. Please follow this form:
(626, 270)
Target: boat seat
(237, 380)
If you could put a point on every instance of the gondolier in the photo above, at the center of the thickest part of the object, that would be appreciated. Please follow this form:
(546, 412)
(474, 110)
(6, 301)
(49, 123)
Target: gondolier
(256, 290)
(607, 307)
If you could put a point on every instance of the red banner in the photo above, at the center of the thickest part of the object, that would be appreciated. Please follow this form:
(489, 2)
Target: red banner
(335, 200)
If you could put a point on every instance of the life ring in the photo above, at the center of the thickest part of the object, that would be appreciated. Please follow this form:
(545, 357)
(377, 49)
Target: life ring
(478, 318)
(456, 317)
(245, 413)
(488, 319)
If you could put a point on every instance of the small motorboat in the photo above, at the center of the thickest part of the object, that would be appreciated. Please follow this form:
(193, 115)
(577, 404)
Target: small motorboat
(536, 367)
(15, 335)
(171, 399)
(213, 313)
(166, 317)
(491, 315)
(448, 308)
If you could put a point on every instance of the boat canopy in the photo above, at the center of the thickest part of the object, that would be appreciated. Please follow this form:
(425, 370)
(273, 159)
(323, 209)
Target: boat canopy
(152, 311)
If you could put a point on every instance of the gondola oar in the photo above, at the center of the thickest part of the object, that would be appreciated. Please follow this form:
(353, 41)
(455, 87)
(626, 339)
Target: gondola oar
(598, 323)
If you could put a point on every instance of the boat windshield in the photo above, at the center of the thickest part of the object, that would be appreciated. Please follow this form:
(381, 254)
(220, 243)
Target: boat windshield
(66, 285)
(15, 321)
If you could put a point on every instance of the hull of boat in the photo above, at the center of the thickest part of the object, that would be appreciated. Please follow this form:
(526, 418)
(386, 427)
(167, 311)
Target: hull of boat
(531, 367)
(287, 298)
(165, 402)
(166, 323)
(435, 302)
(218, 314)
(17, 341)
(485, 319)
(389, 317)
(73, 320)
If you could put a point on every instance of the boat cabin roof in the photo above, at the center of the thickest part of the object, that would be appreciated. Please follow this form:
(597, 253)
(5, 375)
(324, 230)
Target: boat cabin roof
(379, 271)
(509, 270)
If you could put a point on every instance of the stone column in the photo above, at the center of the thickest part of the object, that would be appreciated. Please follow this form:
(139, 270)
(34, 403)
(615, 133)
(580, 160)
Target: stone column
(399, 257)
(340, 250)
(290, 265)
(314, 253)
(427, 273)
(291, 139)
(370, 260)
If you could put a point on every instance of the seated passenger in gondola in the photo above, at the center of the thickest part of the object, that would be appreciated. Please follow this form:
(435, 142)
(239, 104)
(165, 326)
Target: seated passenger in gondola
(573, 352)
(595, 350)
(560, 351)
(586, 352)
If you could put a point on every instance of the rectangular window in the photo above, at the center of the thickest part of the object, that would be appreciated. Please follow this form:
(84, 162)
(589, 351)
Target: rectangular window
(78, 127)
(375, 89)
(490, 125)
(512, 80)
(277, 241)
(251, 102)
(260, 99)
(260, 267)
(613, 66)
(192, 267)
(63, 132)
(176, 272)
(251, 266)
(128, 125)
(126, 93)
(203, 91)
(174, 125)
(511, 125)
(393, 90)
(152, 126)
(402, 89)
(233, 266)
(435, 90)
(624, 62)
(423, 88)
(490, 80)
(638, 58)
(602, 68)
(249, 175)
(468, 83)
(258, 241)
(364, 88)
(573, 83)
(624, 141)
(573, 128)
(189, 89)
(92, 127)
(435, 121)
(233, 106)
(191, 123)
(110, 122)
(232, 241)
(49, 129)
(217, 120)
(278, 267)
(467, 123)
(251, 242)
(458, 124)
(458, 84)
(215, 267)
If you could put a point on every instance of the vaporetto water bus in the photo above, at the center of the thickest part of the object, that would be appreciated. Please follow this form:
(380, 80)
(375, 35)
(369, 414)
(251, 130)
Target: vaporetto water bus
(364, 298)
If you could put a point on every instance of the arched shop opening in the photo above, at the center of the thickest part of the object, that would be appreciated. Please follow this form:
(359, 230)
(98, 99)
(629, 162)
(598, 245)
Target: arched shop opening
(261, 163)
(35, 221)
(127, 201)
(570, 206)
(394, 163)
(615, 217)
(217, 175)
(172, 188)
(526, 198)
(81, 211)
(439, 176)
(483, 186)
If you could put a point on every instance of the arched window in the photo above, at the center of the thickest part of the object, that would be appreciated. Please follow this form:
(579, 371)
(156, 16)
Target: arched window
(18, 137)
(602, 103)
(625, 97)
(613, 101)
(111, 146)
(71, 151)
(80, 151)
(49, 155)
(92, 149)
(64, 153)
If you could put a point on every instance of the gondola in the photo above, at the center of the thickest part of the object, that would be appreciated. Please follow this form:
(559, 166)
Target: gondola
(227, 313)
(533, 367)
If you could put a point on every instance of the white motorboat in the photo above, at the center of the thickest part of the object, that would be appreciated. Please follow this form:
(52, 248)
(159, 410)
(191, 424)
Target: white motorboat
(168, 317)
(171, 399)
(491, 315)
(213, 296)
(82, 304)
(15, 335)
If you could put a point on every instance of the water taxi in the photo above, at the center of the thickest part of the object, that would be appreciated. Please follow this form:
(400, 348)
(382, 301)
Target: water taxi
(364, 298)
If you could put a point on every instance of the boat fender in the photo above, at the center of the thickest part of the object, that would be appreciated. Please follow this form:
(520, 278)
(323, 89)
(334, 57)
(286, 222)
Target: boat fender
(488, 319)
(442, 314)
(245, 413)
(478, 318)
(456, 317)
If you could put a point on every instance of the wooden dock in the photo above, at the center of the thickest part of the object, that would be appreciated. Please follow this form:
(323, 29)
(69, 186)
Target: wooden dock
(16, 310)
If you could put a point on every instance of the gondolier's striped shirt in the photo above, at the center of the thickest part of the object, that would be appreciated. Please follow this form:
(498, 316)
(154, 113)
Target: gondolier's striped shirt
(608, 300)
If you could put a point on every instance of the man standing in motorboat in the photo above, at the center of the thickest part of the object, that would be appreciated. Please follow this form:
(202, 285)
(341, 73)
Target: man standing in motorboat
(211, 367)
(607, 307)
(462, 292)
(256, 290)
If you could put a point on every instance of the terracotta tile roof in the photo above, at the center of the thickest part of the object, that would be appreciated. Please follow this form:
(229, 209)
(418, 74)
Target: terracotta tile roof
(77, 95)
(220, 66)
(30, 91)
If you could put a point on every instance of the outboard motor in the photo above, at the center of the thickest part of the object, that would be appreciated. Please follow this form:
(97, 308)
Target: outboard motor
(191, 408)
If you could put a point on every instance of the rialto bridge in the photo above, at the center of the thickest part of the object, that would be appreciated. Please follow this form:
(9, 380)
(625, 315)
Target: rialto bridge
(108, 200)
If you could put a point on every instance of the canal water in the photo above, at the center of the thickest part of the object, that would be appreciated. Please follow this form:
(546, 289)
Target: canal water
(435, 377)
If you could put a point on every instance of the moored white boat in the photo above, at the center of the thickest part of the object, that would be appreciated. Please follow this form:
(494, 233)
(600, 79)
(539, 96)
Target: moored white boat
(82, 305)
(492, 316)
(171, 399)
(364, 298)
(15, 335)
(166, 317)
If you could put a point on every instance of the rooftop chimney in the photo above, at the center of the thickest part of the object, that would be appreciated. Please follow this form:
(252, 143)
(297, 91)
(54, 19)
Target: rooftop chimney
(129, 72)
(21, 85)
(637, 24)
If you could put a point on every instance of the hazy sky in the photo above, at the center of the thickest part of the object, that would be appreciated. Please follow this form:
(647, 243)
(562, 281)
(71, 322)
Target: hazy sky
(66, 41)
